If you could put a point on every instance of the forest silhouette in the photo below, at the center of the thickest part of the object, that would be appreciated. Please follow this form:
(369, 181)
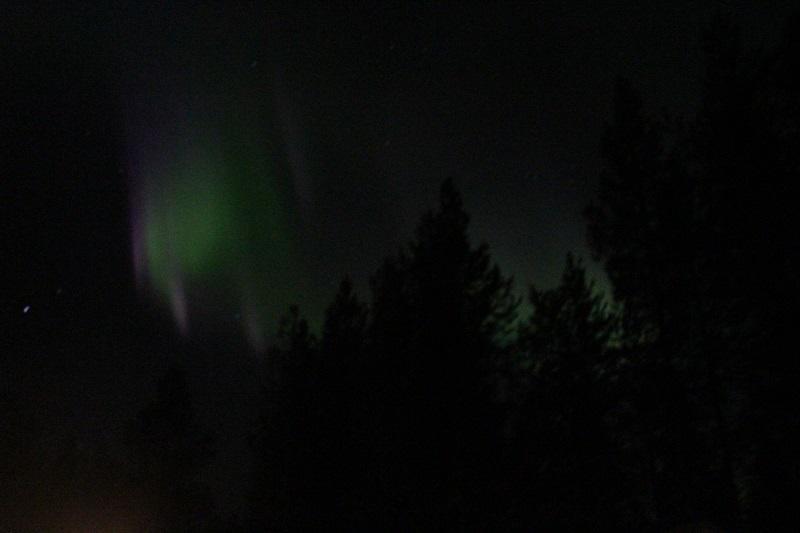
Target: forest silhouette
(441, 401)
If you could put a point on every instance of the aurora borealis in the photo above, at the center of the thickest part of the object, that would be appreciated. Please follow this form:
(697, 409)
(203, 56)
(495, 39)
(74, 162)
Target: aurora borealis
(211, 219)
(174, 176)
(269, 154)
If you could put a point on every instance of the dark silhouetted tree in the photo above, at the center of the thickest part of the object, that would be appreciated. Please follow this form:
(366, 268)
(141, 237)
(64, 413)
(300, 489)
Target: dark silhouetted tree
(564, 458)
(692, 226)
(312, 449)
(289, 446)
(344, 389)
(441, 312)
(169, 452)
(643, 229)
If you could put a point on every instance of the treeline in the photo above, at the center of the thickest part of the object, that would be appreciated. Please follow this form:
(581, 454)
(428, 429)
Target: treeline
(439, 405)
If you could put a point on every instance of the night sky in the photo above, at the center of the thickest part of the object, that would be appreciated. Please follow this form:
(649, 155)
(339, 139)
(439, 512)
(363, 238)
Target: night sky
(171, 170)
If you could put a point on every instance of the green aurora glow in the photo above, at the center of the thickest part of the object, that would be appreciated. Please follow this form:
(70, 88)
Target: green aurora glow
(216, 224)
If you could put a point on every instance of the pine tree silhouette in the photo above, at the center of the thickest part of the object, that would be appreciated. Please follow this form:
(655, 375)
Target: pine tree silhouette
(169, 452)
